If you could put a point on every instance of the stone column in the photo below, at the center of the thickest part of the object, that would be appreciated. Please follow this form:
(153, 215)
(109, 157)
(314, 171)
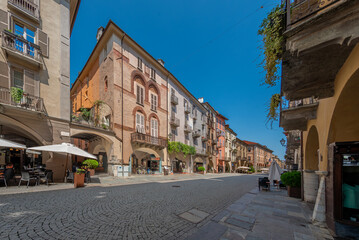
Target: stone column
(319, 208)
(310, 185)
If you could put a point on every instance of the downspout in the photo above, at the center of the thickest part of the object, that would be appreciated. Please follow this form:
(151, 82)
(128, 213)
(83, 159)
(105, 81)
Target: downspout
(122, 98)
(167, 123)
(301, 165)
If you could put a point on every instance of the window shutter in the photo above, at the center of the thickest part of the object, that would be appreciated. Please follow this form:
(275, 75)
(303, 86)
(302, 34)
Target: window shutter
(4, 75)
(138, 93)
(4, 20)
(142, 124)
(43, 42)
(29, 82)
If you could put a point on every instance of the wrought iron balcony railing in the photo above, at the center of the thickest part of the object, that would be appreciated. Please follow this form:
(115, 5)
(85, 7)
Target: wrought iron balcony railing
(174, 99)
(20, 45)
(27, 6)
(286, 104)
(27, 101)
(174, 121)
(298, 10)
(148, 139)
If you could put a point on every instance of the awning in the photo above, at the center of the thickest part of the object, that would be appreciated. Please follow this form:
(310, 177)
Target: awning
(10, 144)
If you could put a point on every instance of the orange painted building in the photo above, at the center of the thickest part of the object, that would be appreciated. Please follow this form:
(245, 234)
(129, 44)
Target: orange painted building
(221, 138)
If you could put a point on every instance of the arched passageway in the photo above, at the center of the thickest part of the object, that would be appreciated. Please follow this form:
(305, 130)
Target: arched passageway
(311, 164)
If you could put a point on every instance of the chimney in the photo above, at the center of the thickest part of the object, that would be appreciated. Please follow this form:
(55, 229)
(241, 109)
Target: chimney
(99, 33)
(201, 100)
(161, 61)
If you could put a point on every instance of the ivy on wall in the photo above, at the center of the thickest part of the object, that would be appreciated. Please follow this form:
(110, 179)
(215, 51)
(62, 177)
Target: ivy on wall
(271, 30)
(178, 147)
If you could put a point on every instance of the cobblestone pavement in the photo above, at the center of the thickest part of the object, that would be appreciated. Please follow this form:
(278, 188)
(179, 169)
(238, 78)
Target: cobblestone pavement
(137, 211)
(263, 216)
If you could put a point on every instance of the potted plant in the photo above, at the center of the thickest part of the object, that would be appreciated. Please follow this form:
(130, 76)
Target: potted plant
(16, 94)
(91, 165)
(293, 182)
(201, 170)
(79, 178)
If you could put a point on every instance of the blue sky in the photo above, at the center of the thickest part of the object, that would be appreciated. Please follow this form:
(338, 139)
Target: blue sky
(212, 47)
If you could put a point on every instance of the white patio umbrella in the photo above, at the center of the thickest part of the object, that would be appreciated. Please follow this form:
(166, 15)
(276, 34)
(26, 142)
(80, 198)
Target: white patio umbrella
(67, 148)
(274, 172)
(10, 144)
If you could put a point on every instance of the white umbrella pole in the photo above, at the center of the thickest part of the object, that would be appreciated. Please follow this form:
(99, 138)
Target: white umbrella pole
(67, 159)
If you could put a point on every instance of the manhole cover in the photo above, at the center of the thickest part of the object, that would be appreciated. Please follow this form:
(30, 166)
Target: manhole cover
(175, 186)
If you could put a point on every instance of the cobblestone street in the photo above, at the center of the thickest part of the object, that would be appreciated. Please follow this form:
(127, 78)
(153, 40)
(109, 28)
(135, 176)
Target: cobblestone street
(139, 211)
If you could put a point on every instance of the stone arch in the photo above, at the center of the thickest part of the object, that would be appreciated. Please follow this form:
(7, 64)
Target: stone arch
(29, 132)
(344, 125)
(311, 150)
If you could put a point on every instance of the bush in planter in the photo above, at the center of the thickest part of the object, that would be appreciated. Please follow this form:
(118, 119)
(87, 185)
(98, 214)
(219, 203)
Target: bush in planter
(293, 182)
(16, 94)
(80, 171)
(201, 169)
(291, 179)
(90, 163)
(251, 169)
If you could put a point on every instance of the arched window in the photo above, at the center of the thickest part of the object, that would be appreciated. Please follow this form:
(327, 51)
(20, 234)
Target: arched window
(140, 123)
(154, 127)
(106, 84)
(140, 91)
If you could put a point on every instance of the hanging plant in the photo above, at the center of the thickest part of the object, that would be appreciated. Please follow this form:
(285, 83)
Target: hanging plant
(97, 107)
(16, 94)
(272, 110)
(271, 30)
(85, 113)
(177, 147)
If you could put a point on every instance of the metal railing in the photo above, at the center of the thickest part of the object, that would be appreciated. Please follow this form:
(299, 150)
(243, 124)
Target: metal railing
(287, 104)
(91, 122)
(27, 6)
(174, 99)
(187, 109)
(174, 121)
(28, 102)
(298, 10)
(187, 128)
(21, 45)
(196, 133)
(148, 139)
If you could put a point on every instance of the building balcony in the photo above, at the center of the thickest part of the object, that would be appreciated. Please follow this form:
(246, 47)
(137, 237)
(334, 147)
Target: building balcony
(196, 133)
(20, 48)
(317, 45)
(148, 141)
(295, 114)
(204, 138)
(174, 99)
(174, 121)
(27, 101)
(201, 152)
(91, 121)
(187, 109)
(27, 7)
(194, 115)
(187, 128)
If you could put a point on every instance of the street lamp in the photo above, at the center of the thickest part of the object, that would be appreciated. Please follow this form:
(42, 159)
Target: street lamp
(282, 142)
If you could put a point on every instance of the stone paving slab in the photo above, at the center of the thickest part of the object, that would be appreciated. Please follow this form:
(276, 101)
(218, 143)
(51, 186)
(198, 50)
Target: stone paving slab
(265, 215)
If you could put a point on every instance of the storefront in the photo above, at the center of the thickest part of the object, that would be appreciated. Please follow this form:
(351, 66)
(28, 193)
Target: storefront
(342, 188)
(178, 166)
(147, 165)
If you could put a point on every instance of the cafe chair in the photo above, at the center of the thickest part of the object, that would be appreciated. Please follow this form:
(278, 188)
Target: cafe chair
(69, 176)
(46, 178)
(25, 176)
(3, 178)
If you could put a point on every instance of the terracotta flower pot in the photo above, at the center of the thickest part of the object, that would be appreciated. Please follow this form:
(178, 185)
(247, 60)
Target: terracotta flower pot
(92, 172)
(79, 180)
(294, 192)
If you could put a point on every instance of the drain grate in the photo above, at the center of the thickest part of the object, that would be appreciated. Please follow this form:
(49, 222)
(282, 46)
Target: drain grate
(175, 186)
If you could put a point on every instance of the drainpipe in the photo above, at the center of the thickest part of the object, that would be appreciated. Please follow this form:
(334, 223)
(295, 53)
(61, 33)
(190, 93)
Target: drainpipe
(122, 100)
(301, 165)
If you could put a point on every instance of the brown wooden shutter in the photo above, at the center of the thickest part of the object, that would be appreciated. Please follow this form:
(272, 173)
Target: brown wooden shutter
(4, 75)
(138, 93)
(43, 42)
(4, 20)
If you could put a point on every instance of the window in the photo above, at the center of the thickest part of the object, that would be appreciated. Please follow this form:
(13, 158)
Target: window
(195, 141)
(174, 108)
(18, 79)
(154, 127)
(106, 120)
(28, 34)
(185, 103)
(106, 84)
(186, 136)
(139, 63)
(86, 95)
(174, 131)
(153, 102)
(153, 74)
(140, 123)
(140, 94)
